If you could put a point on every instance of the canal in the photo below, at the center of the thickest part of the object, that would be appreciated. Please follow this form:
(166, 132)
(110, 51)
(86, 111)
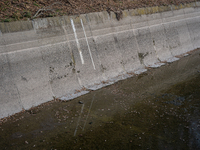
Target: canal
(159, 109)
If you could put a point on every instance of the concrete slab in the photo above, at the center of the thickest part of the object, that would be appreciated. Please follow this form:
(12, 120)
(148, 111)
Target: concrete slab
(118, 24)
(10, 102)
(60, 69)
(189, 10)
(19, 40)
(2, 45)
(15, 26)
(160, 42)
(3, 27)
(173, 39)
(146, 52)
(104, 27)
(154, 19)
(30, 76)
(194, 30)
(139, 21)
(88, 73)
(19, 37)
(110, 58)
(98, 20)
(184, 36)
(166, 16)
(198, 4)
(178, 12)
(127, 44)
(46, 27)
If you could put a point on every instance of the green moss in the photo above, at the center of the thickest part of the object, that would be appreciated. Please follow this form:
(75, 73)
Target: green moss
(141, 11)
(36, 4)
(6, 20)
(27, 14)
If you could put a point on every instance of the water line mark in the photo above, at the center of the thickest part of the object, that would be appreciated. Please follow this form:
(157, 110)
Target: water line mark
(77, 42)
(88, 45)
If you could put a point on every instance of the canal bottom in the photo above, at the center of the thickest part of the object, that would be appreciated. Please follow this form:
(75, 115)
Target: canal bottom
(158, 109)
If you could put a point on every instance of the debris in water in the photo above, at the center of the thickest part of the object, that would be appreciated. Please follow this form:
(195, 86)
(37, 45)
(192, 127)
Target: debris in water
(80, 102)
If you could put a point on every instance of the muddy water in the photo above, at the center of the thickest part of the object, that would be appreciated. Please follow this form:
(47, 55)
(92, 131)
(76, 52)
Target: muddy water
(155, 110)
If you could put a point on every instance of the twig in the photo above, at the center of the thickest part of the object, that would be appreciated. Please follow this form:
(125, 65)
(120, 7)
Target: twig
(39, 12)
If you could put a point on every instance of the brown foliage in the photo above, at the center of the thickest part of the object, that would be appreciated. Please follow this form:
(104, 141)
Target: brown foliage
(22, 9)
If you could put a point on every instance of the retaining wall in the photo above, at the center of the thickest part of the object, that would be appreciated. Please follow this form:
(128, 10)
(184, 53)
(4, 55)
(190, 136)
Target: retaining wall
(65, 57)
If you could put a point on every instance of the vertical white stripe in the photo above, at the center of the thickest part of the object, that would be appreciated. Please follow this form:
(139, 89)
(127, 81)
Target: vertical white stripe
(88, 44)
(77, 42)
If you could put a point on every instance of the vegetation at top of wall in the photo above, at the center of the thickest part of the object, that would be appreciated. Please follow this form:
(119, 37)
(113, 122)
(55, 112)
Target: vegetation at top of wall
(12, 10)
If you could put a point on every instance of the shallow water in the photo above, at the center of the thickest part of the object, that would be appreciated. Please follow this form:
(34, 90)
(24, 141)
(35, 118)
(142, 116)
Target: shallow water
(158, 109)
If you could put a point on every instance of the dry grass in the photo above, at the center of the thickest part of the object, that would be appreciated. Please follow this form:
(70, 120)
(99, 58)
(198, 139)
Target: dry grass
(12, 10)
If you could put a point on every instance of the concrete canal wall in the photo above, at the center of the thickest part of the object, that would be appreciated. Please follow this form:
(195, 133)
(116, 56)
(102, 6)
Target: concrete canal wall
(65, 57)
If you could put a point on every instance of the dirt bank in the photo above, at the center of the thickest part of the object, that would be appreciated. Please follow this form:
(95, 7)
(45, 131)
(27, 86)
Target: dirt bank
(12, 10)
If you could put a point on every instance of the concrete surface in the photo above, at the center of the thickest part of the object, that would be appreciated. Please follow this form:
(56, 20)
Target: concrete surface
(65, 57)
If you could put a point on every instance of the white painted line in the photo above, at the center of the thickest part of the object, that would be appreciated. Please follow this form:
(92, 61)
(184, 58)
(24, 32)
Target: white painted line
(78, 120)
(77, 42)
(88, 44)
